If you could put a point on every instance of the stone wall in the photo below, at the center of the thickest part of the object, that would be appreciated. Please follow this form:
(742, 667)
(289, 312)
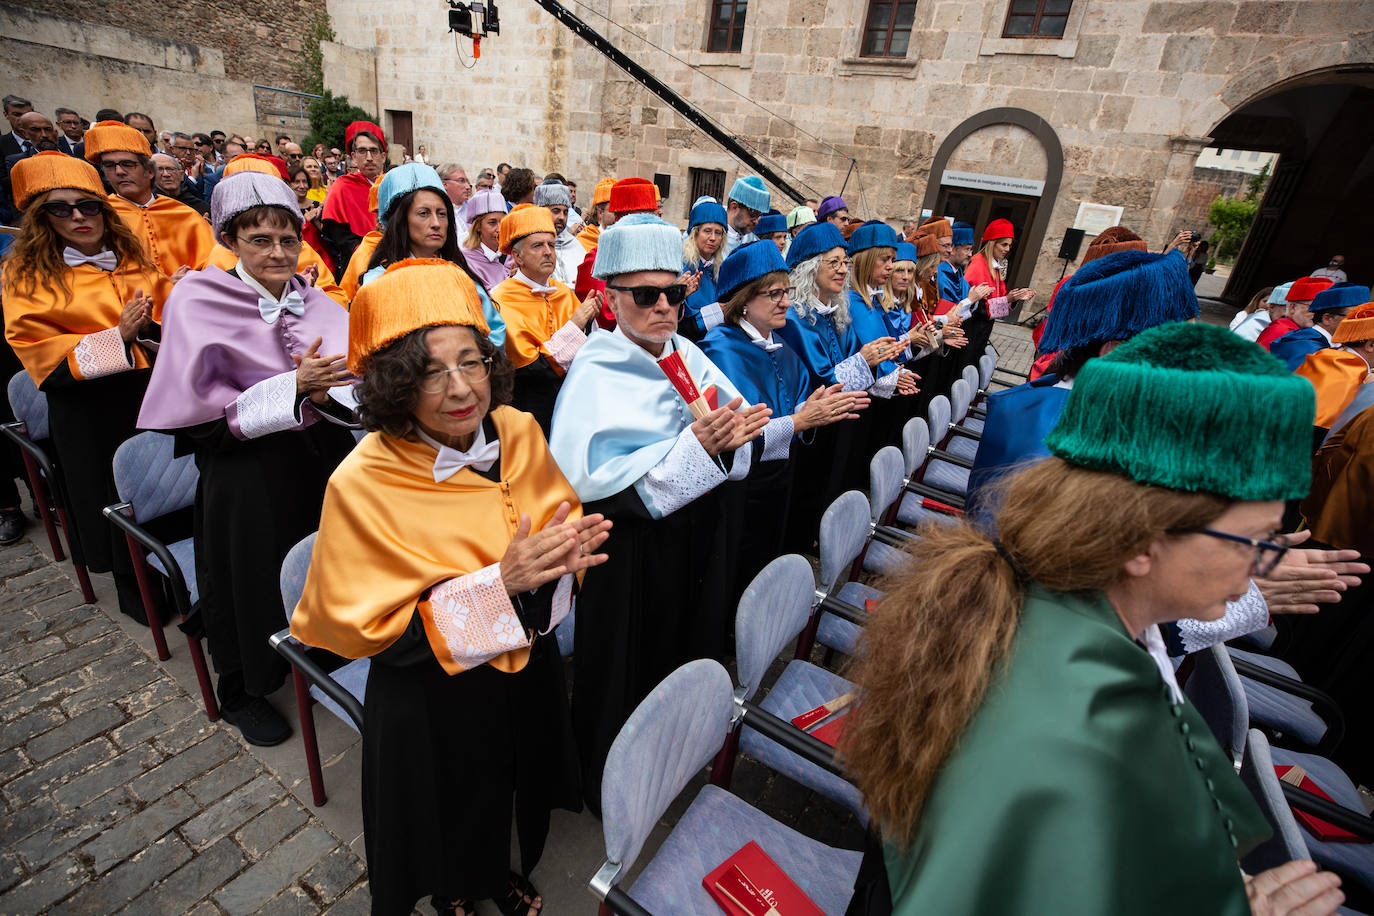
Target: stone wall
(1131, 92)
(257, 38)
(1206, 186)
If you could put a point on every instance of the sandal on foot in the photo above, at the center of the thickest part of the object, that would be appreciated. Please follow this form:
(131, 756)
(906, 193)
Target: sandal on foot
(446, 907)
(520, 898)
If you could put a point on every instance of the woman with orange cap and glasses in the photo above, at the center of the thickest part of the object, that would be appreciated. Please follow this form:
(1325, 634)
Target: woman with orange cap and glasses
(466, 717)
(989, 267)
(82, 301)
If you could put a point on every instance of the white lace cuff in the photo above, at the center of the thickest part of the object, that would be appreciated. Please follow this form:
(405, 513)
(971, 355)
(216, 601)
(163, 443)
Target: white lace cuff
(268, 407)
(100, 354)
(711, 315)
(470, 620)
(887, 385)
(1247, 615)
(854, 374)
(965, 307)
(777, 439)
(684, 474)
(565, 343)
(562, 602)
(740, 461)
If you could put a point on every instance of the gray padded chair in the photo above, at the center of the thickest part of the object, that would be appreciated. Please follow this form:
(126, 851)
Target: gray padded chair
(29, 432)
(773, 612)
(942, 473)
(844, 533)
(919, 502)
(1216, 692)
(666, 741)
(341, 691)
(153, 482)
(886, 553)
(1277, 710)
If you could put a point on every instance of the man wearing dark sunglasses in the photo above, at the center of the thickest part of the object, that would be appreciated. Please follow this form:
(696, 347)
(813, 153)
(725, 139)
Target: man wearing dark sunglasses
(634, 448)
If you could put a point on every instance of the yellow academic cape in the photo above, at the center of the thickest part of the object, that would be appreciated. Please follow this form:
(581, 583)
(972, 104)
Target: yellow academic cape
(532, 318)
(44, 327)
(1337, 375)
(357, 265)
(224, 259)
(589, 236)
(388, 532)
(173, 234)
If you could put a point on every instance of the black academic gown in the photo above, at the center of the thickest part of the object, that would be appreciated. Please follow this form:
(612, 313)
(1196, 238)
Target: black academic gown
(536, 391)
(257, 498)
(659, 601)
(443, 755)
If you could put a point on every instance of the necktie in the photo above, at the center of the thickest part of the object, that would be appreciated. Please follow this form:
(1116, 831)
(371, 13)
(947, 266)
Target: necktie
(105, 259)
(450, 460)
(271, 311)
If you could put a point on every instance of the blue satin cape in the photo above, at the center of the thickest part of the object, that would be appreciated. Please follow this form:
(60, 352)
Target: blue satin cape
(953, 287)
(706, 292)
(1014, 433)
(617, 415)
(1296, 346)
(819, 344)
(871, 323)
(778, 379)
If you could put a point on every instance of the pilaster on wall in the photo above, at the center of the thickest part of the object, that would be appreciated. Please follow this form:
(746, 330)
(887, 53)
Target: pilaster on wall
(1168, 197)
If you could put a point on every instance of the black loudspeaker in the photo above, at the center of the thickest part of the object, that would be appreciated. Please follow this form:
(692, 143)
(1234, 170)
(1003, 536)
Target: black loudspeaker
(664, 183)
(1073, 240)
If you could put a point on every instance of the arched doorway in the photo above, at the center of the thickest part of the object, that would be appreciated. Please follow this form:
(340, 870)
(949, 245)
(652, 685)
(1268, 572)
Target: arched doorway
(1020, 181)
(1319, 123)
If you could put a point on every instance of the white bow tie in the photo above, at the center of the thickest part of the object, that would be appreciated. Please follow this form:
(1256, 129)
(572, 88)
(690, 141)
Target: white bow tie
(824, 309)
(271, 311)
(766, 346)
(105, 260)
(450, 460)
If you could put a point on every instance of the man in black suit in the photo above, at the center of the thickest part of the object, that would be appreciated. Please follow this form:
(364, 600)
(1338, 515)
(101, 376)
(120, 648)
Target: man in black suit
(14, 141)
(41, 135)
(70, 142)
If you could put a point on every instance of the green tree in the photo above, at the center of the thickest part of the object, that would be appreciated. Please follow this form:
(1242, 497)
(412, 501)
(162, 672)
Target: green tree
(1232, 216)
(329, 115)
(1254, 186)
(308, 66)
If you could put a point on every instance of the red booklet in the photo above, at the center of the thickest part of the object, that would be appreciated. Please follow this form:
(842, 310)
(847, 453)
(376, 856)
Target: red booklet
(1322, 830)
(749, 883)
(870, 604)
(830, 731)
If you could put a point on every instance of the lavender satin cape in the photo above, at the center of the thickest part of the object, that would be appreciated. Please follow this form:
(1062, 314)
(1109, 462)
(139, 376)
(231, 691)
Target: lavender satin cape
(215, 346)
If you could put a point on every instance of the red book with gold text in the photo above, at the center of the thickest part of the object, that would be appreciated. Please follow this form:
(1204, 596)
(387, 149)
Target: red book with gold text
(749, 883)
(1323, 830)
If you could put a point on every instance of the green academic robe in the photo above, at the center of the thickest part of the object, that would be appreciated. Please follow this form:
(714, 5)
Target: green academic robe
(1079, 787)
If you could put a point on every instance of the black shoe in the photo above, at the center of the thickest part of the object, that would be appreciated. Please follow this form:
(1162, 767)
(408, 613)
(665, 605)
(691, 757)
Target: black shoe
(12, 525)
(258, 722)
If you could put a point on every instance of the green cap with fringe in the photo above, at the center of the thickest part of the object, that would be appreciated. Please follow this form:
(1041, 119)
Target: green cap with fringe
(1192, 407)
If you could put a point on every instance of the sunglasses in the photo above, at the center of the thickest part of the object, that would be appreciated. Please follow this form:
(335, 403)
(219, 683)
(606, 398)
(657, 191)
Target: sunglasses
(63, 210)
(647, 296)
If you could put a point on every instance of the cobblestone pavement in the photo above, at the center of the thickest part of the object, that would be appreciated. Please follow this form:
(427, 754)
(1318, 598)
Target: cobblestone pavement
(1014, 348)
(118, 795)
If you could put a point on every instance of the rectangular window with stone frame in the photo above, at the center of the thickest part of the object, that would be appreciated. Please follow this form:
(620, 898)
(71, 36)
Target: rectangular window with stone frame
(725, 31)
(1036, 18)
(705, 183)
(887, 29)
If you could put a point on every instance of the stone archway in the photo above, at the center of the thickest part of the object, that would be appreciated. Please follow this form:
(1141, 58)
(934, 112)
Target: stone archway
(1054, 172)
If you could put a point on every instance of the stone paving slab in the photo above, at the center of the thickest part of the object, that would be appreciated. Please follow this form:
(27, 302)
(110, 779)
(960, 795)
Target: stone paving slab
(118, 795)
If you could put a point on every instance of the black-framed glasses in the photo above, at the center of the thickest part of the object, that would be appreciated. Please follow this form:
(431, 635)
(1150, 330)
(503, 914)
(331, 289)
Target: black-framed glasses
(63, 210)
(1267, 553)
(646, 297)
(472, 371)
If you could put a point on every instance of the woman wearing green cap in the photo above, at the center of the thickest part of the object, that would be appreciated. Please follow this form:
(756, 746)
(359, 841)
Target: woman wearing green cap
(1023, 743)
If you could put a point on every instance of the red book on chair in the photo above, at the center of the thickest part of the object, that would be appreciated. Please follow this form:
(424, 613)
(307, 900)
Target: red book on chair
(749, 883)
(1322, 830)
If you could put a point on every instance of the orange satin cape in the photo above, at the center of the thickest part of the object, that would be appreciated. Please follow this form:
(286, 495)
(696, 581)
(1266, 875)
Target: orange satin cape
(357, 265)
(224, 259)
(173, 234)
(1337, 375)
(1337, 507)
(44, 327)
(388, 532)
(589, 236)
(532, 318)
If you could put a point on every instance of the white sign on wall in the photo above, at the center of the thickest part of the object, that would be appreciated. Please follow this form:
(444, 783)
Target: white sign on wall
(1003, 183)
(1094, 218)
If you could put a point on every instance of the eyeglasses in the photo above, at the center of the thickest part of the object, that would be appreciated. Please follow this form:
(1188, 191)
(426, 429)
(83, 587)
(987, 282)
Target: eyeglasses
(116, 165)
(63, 210)
(1267, 553)
(711, 232)
(263, 244)
(836, 263)
(776, 295)
(472, 370)
(295, 155)
(262, 148)
(367, 153)
(646, 297)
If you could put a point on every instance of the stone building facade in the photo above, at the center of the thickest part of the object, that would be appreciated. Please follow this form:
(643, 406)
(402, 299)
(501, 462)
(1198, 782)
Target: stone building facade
(1112, 112)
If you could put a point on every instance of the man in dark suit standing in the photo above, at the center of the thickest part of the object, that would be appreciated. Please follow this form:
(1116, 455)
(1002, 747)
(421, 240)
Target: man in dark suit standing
(39, 135)
(14, 141)
(69, 142)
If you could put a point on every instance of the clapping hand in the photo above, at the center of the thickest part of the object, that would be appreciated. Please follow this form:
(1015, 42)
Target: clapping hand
(727, 428)
(315, 374)
(310, 274)
(906, 382)
(979, 292)
(137, 312)
(875, 351)
(589, 309)
(1308, 577)
(829, 405)
(559, 548)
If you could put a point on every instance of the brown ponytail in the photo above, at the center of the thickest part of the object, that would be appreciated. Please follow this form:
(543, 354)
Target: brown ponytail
(948, 620)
